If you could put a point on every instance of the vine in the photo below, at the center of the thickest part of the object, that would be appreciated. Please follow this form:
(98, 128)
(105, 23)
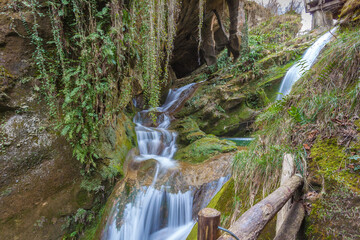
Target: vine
(97, 53)
(201, 20)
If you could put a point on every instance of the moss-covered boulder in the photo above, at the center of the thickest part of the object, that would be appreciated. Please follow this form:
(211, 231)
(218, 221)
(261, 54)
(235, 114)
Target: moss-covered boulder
(203, 149)
(188, 131)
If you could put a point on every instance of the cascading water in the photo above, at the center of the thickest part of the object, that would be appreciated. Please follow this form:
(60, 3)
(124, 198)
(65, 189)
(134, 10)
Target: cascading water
(156, 214)
(304, 64)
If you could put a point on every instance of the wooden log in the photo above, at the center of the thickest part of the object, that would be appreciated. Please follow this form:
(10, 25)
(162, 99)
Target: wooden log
(250, 224)
(288, 170)
(208, 222)
(292, 223)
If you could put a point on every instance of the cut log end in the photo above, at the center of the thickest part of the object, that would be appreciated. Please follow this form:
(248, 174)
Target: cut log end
(209, 220)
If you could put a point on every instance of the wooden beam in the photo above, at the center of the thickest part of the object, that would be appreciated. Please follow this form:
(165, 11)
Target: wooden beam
(329, 6)
(208, 222)
(288, 170)
(292, 223)
(253, 221)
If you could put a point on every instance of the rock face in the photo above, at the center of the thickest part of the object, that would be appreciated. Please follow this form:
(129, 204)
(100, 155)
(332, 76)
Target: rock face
(188, 54)
(195, 146)
(39, 178)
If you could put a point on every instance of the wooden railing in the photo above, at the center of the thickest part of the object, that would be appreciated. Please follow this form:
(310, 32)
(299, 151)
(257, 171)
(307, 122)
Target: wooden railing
(253, 221)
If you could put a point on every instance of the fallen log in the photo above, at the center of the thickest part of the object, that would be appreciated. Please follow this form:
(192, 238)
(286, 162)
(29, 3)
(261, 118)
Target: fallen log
(250, 224)
(292, 223)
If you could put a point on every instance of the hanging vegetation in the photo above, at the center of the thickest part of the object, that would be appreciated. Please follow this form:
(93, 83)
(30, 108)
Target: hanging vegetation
(100, 54)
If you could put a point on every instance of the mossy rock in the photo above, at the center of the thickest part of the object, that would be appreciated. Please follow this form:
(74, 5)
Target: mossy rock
(188, 131)
(114, 144)
(223, 202)
(203, 149)
(235, 122)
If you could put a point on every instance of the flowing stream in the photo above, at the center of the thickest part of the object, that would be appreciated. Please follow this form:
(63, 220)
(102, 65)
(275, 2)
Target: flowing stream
(304, 64)
(157, 214)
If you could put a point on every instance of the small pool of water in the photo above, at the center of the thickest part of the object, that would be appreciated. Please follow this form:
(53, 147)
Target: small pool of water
(240, 141)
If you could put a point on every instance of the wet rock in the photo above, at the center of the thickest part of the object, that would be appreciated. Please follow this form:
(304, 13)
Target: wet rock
(188, 131)
(201, 149)
(115, 141)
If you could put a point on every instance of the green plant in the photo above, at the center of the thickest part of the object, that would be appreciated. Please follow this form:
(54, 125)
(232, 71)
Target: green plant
(98, 52)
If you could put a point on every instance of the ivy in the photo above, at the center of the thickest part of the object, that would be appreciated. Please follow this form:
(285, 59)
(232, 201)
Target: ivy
(98, 55)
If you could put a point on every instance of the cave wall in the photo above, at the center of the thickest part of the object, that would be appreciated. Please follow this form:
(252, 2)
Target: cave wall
(186, 57)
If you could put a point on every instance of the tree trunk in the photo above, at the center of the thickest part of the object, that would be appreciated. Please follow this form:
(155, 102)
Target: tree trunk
(292, 223)
(250, 224)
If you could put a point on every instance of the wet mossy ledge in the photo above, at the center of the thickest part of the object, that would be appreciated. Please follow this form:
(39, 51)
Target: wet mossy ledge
(195, 146)
(115, 141)
(203, 149)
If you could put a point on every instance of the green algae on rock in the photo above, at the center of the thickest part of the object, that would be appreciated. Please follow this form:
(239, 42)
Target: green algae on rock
(188, 130)
(329, 160)
(203, 149)
(115, 142)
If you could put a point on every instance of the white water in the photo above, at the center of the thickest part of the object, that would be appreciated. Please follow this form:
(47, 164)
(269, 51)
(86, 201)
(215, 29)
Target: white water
(159, 143)
(157, 214)
(304, 64)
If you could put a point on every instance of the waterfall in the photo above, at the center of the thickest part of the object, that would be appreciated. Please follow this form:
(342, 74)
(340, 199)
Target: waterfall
(304, 64)
(157, 214)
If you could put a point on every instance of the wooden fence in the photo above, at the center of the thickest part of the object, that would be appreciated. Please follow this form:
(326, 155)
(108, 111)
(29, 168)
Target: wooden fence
(253, 221)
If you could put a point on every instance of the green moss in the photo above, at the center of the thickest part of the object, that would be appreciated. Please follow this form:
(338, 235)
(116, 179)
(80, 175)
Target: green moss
(282, 57)
(334, 215)
(233, 120)
(223, 201)
(188, 131)
(114, 144)
(203, 149)
(272, 79)
(357, 124)
(329, 160)
(84, 198)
